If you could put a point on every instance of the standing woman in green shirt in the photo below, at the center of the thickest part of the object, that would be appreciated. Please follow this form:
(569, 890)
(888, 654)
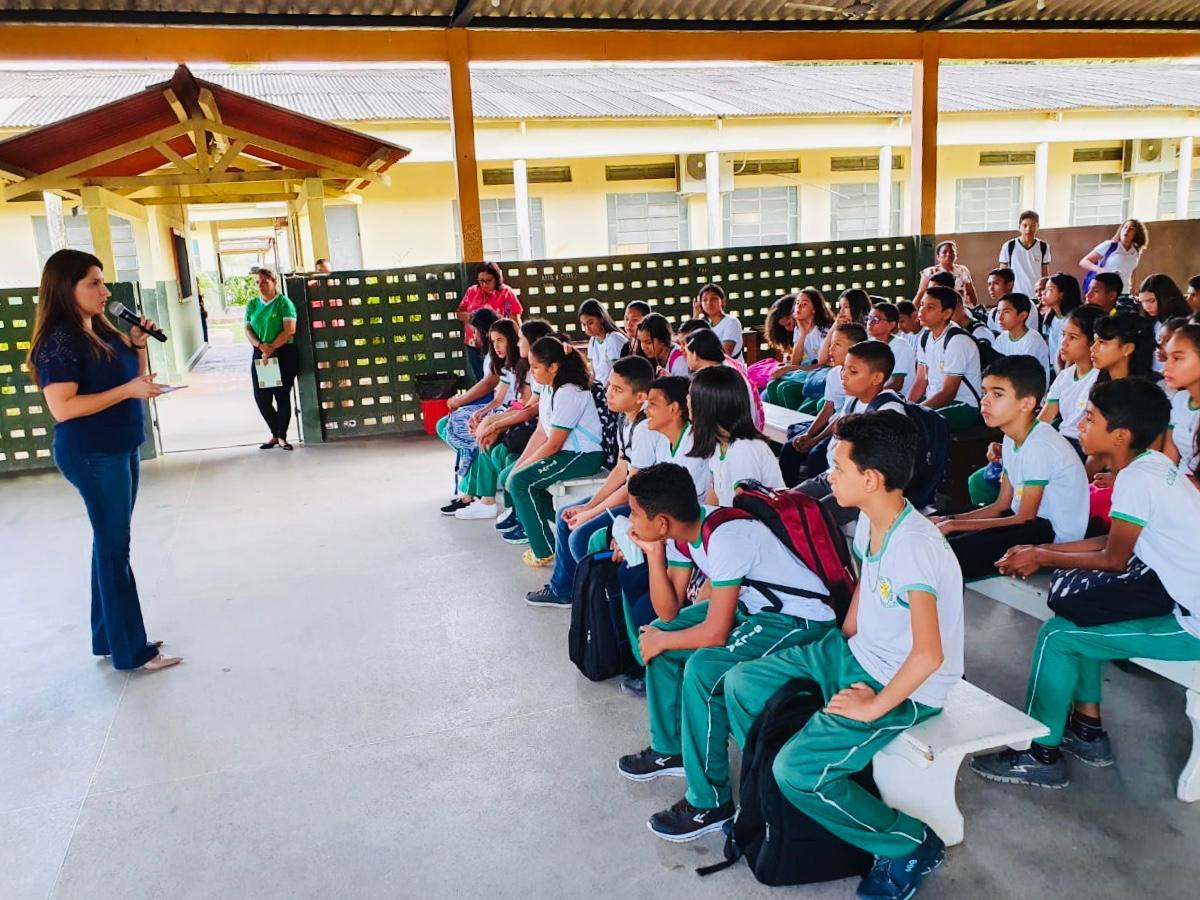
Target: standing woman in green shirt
(271, 329)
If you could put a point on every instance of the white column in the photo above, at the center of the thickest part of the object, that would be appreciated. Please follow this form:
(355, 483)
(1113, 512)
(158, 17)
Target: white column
(1183, 189)
(56, 225)
(885, 191)
(1041, 177)
(712, 196)
(521, 193)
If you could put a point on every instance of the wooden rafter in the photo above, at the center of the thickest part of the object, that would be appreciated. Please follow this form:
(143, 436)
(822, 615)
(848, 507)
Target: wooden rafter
(178, 161)
(227, 157)
(274, 197)
(208, 106)
(176, 106)
(342, 169)
(169, 178)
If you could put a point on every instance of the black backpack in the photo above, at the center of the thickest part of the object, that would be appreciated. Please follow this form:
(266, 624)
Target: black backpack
(598, 642)
(987, 353)
(933, 448)
(781, 844)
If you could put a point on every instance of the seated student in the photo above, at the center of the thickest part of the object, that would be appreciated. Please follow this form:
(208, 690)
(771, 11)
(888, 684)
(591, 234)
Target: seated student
(606, 342)
(725, 436)
(1193, 295)
(864, 375)
(777, 331)
(1067, 398)
(811, 320)
(710, 305)
(1182, 374)
(1000, 283)
(1044, 489)
(627, 391)
(794, 455)
(1161, 300)
(704, 351)
(882, 325)
(1059, 298)
(1107, 291)
(972, 325)
(656, 342)
(890, 666)
(635, 311)
(910, 323)
(689, 650)
(1142, 578)
(947, 363)
(1015, 337)
(566, 446)
(668, 419)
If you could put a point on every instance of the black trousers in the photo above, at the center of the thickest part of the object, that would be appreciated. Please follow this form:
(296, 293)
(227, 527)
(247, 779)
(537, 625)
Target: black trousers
(275, 404)
(978, 551)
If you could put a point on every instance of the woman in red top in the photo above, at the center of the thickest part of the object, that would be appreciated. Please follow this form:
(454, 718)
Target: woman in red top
(488, 291)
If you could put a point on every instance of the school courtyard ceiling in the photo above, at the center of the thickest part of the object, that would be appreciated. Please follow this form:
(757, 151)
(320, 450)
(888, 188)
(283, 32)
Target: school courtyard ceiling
(719, 14)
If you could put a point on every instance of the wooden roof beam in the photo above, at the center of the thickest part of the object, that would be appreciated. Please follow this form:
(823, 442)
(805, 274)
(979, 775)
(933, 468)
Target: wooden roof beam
(341, 169)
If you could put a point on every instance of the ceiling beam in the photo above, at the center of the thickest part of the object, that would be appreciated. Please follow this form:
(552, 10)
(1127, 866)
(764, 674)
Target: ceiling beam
(943, 14)
(989, 7)
(342, 169)
(276, 197)
(464, 12)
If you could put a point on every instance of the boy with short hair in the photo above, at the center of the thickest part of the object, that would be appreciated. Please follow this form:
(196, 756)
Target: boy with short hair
(897, 655)
(910, 324)
(1145, 574)
(947, 363)
(627, 390)
(689, 650)
(667, 418)
(1027, 255)
(1016, 338)
(882, 325)
(1107, 292)
(1043, 489)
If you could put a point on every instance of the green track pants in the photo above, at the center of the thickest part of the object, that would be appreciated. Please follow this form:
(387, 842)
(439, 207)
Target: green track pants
(684, 687)
(484, 475)
(959, 416)
(528, 488)
(1067, 657)
(813, 769)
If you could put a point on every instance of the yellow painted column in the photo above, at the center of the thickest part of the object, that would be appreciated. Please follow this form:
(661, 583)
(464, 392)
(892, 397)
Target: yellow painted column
(314, 206)
(101, 228)
(462, 136)
(924, 137)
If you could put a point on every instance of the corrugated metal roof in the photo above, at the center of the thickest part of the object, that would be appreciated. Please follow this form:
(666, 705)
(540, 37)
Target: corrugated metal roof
(32, 98)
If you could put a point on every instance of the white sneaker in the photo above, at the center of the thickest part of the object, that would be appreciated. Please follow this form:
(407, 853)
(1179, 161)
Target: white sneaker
(477, 510)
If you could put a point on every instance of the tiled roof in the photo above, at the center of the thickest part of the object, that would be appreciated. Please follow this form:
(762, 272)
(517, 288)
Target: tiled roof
(30, 98)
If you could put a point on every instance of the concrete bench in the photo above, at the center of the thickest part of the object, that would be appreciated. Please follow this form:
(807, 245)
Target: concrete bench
(778, 418)
(917, 772)
(1030, 596)
(574, 490)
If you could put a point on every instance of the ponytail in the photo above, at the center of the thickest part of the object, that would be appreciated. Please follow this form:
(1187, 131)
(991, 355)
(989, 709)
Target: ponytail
(572, 369)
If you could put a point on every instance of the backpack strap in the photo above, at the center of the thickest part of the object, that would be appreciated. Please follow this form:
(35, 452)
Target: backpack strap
(719, 516)
(1011, 248)
(885, 397)
(949, 333)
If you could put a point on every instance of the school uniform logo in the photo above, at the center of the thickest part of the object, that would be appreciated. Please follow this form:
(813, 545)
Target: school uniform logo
(887, 594)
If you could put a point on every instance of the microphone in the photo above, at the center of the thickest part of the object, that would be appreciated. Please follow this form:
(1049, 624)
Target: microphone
(123, 312)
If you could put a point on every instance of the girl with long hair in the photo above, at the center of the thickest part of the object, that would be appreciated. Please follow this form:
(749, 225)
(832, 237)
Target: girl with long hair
(812, 320)
(95, 380)
(656, 342)
(1059, 298)
(1161, 300)
(1182, 375)
(704, 350)
(606, 342)
(1120, 254)
(778, 334)
(710, 305)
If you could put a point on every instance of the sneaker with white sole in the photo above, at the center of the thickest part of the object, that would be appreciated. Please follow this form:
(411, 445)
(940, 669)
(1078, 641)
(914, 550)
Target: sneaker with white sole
(1021, 767)
(477, 510)
(516, 535)
(684, 822)
(649, 764)
(1097, 752)
(507, 522)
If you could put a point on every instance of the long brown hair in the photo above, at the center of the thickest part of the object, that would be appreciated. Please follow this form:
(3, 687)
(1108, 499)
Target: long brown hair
(56, 305)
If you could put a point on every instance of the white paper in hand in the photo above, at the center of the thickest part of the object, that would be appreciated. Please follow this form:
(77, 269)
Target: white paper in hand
(267, 372)
(620, 532)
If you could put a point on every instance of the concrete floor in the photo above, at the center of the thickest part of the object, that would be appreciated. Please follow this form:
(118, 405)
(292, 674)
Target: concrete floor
(369, 710)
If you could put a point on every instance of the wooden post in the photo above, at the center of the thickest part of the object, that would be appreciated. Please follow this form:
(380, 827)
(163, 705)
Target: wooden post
(924, 137)
(314, 205)
(462, 136)
(93, 202)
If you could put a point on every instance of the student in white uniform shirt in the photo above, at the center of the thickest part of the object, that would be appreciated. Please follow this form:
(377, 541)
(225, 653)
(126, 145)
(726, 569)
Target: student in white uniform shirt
(667, 418)
(1162, 300)
(947, 363)
(1182, 374)
(1015, 337)
(710, 304)
(606, 342)
(1120, 254)
(1068, 395)
(724, 434)
(1044, 489)
(1027, 255)
(882, 325)
(1060, 298)
(1134, 592)
(1001, 281)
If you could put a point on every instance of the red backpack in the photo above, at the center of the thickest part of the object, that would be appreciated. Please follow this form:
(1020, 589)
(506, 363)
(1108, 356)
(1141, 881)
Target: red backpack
(805, 527)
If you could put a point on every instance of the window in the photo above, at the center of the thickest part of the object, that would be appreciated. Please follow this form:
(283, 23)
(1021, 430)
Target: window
(79, 237)
(987, 204)
(854, 211)
(1166, 196)
(647, 223)
(499, 219)
(1099, 199)
(758, 216)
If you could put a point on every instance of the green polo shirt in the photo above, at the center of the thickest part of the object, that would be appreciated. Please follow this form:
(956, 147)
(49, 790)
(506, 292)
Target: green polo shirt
(266, 319)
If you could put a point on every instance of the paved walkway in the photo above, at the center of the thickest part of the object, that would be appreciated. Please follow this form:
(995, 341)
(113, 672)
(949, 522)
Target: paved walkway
(369, 710)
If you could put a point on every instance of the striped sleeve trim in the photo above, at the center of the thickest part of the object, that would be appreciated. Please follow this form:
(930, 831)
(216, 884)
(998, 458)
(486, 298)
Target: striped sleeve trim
(679, 564)
(735, 582)
(1125, 517)
(1036, 483)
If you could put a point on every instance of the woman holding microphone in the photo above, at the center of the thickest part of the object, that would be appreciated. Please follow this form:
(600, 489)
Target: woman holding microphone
(95, 379)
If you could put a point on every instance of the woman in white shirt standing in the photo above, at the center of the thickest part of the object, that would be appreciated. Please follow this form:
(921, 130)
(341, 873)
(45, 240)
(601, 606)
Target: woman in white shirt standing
(1121, 254)
(606, 342)
(710, 305)
(946, 255)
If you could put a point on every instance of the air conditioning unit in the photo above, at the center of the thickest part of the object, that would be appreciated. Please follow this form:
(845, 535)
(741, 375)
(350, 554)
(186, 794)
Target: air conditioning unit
(1151, 155)
(692, 171)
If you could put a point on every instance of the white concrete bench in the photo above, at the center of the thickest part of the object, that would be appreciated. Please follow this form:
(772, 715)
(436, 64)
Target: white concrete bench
(1030, 596)
(917, 772)
(574, 490)
(778, 418)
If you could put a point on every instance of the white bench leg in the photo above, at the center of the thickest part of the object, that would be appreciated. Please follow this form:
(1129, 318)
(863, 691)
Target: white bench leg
(1189, 780)
(925, 793)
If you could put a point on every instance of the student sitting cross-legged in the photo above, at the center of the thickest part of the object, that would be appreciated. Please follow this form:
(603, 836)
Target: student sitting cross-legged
(628, 387)
(1043, 489)
(567, 445)
(689, 651)
(891, 665)
(1132, 593)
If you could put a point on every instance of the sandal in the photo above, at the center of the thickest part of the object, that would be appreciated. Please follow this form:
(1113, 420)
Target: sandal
(161, 662)
(285, 445)
(269, 445)
(538, 563)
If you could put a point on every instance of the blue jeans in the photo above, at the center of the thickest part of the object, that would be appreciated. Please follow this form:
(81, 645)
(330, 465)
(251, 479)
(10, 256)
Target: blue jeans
(108, 483)
(570, 545)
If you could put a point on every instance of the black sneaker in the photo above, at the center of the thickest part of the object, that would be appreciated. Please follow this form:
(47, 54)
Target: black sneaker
(515, 535)
(648, 765)
(1021, 767)
(634, 686)
(897, 879)
(546, 597)
(684, 822)
(1097, 752)
(507, 521)
(454, 506)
